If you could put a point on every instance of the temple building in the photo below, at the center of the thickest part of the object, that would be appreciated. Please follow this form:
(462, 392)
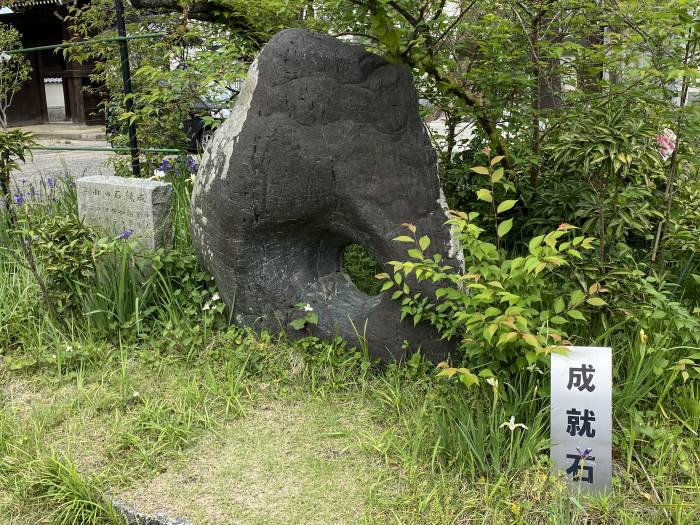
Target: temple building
(56, 90)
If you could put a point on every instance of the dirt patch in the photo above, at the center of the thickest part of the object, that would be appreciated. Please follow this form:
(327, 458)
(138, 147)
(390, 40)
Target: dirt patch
(20, 394)
(286, 462)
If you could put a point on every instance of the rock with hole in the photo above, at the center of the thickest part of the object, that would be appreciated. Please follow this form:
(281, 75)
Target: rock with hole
(324, 148)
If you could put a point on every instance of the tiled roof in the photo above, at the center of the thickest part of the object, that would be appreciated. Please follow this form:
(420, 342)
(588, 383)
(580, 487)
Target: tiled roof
(31, 3)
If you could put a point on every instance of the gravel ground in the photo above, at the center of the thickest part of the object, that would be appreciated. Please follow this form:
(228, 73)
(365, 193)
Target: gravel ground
(45, 165)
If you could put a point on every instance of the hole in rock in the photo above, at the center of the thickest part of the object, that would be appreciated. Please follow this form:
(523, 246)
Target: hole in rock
(361, 267)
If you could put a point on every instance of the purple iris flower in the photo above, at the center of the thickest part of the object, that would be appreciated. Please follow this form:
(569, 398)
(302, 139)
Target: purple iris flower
(191, 165)
(166, 166)
(125, 234)
(586, 454)
(19, 198)
(51, 183)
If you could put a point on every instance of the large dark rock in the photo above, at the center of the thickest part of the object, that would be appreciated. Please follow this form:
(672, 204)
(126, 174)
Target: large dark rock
(324, 148)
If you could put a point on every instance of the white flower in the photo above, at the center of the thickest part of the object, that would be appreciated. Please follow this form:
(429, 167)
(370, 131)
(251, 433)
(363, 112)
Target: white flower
(135, 394)
(512, 425)
(158, 175)
(4, 57)
(215, 297)
(207, 306)
(533, 368)
(492, 381)
(69, 348)
(308, 308)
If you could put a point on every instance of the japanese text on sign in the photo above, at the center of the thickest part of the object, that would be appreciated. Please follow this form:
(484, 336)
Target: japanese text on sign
(581, 418)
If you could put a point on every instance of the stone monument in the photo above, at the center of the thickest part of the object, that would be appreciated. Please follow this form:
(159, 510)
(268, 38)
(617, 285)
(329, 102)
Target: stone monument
(324, 148)
(132, 208)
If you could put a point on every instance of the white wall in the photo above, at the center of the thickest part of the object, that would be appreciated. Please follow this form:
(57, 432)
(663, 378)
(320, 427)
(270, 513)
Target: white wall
(55, 102)
(54, 94)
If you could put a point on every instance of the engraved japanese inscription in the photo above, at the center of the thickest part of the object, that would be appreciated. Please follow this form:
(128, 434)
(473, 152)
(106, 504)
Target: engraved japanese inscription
(128, 207)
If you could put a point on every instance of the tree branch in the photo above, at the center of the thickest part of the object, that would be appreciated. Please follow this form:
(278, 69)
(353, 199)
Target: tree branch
(204, 10)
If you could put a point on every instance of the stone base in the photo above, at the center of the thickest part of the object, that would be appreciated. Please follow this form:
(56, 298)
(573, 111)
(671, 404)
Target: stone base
(134, 517)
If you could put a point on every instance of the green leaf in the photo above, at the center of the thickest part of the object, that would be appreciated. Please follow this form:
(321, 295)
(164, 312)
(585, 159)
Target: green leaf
(484, 195)
(298, 324)
(447, 372)
(558, 305)
(415, 253)
(468, 379)
(506, 205)
(531, 340)
(504, 227)
(386, 286)
(481, 170)
(507, 338)
(577, 297)
(596, 301)
(489, 331)
(496, 159)
(535, 242)
(403, 238)
(424, 242)
(575, 314)
(497, 175)
(491, 311)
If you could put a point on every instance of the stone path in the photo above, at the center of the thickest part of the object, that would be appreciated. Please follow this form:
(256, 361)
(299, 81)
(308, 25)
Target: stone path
(64, 130)
(46, 167)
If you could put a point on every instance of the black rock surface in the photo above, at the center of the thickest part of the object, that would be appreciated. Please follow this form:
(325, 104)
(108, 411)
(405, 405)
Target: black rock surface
(324, 148)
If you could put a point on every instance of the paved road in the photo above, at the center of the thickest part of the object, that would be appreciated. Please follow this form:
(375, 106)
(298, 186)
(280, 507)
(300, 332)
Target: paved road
(54, 165)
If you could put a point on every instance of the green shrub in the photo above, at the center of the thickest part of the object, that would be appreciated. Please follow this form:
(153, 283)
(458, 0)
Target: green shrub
(505, 312)
(14, 145)
(64, 249)
(361, 267)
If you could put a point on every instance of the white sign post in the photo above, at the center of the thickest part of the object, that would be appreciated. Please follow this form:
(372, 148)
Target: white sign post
(581, 424)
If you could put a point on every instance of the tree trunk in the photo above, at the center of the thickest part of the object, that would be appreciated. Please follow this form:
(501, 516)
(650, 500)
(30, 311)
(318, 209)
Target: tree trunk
(546, 90)
(590, 70)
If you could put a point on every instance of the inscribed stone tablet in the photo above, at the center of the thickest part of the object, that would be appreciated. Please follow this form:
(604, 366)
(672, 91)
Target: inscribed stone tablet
(119, 204)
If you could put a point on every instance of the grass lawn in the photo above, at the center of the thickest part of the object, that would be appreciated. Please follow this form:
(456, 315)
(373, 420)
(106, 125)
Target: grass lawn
(261, 432)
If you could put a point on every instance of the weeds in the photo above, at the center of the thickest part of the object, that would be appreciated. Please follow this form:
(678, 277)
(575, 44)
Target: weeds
(72, 498)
